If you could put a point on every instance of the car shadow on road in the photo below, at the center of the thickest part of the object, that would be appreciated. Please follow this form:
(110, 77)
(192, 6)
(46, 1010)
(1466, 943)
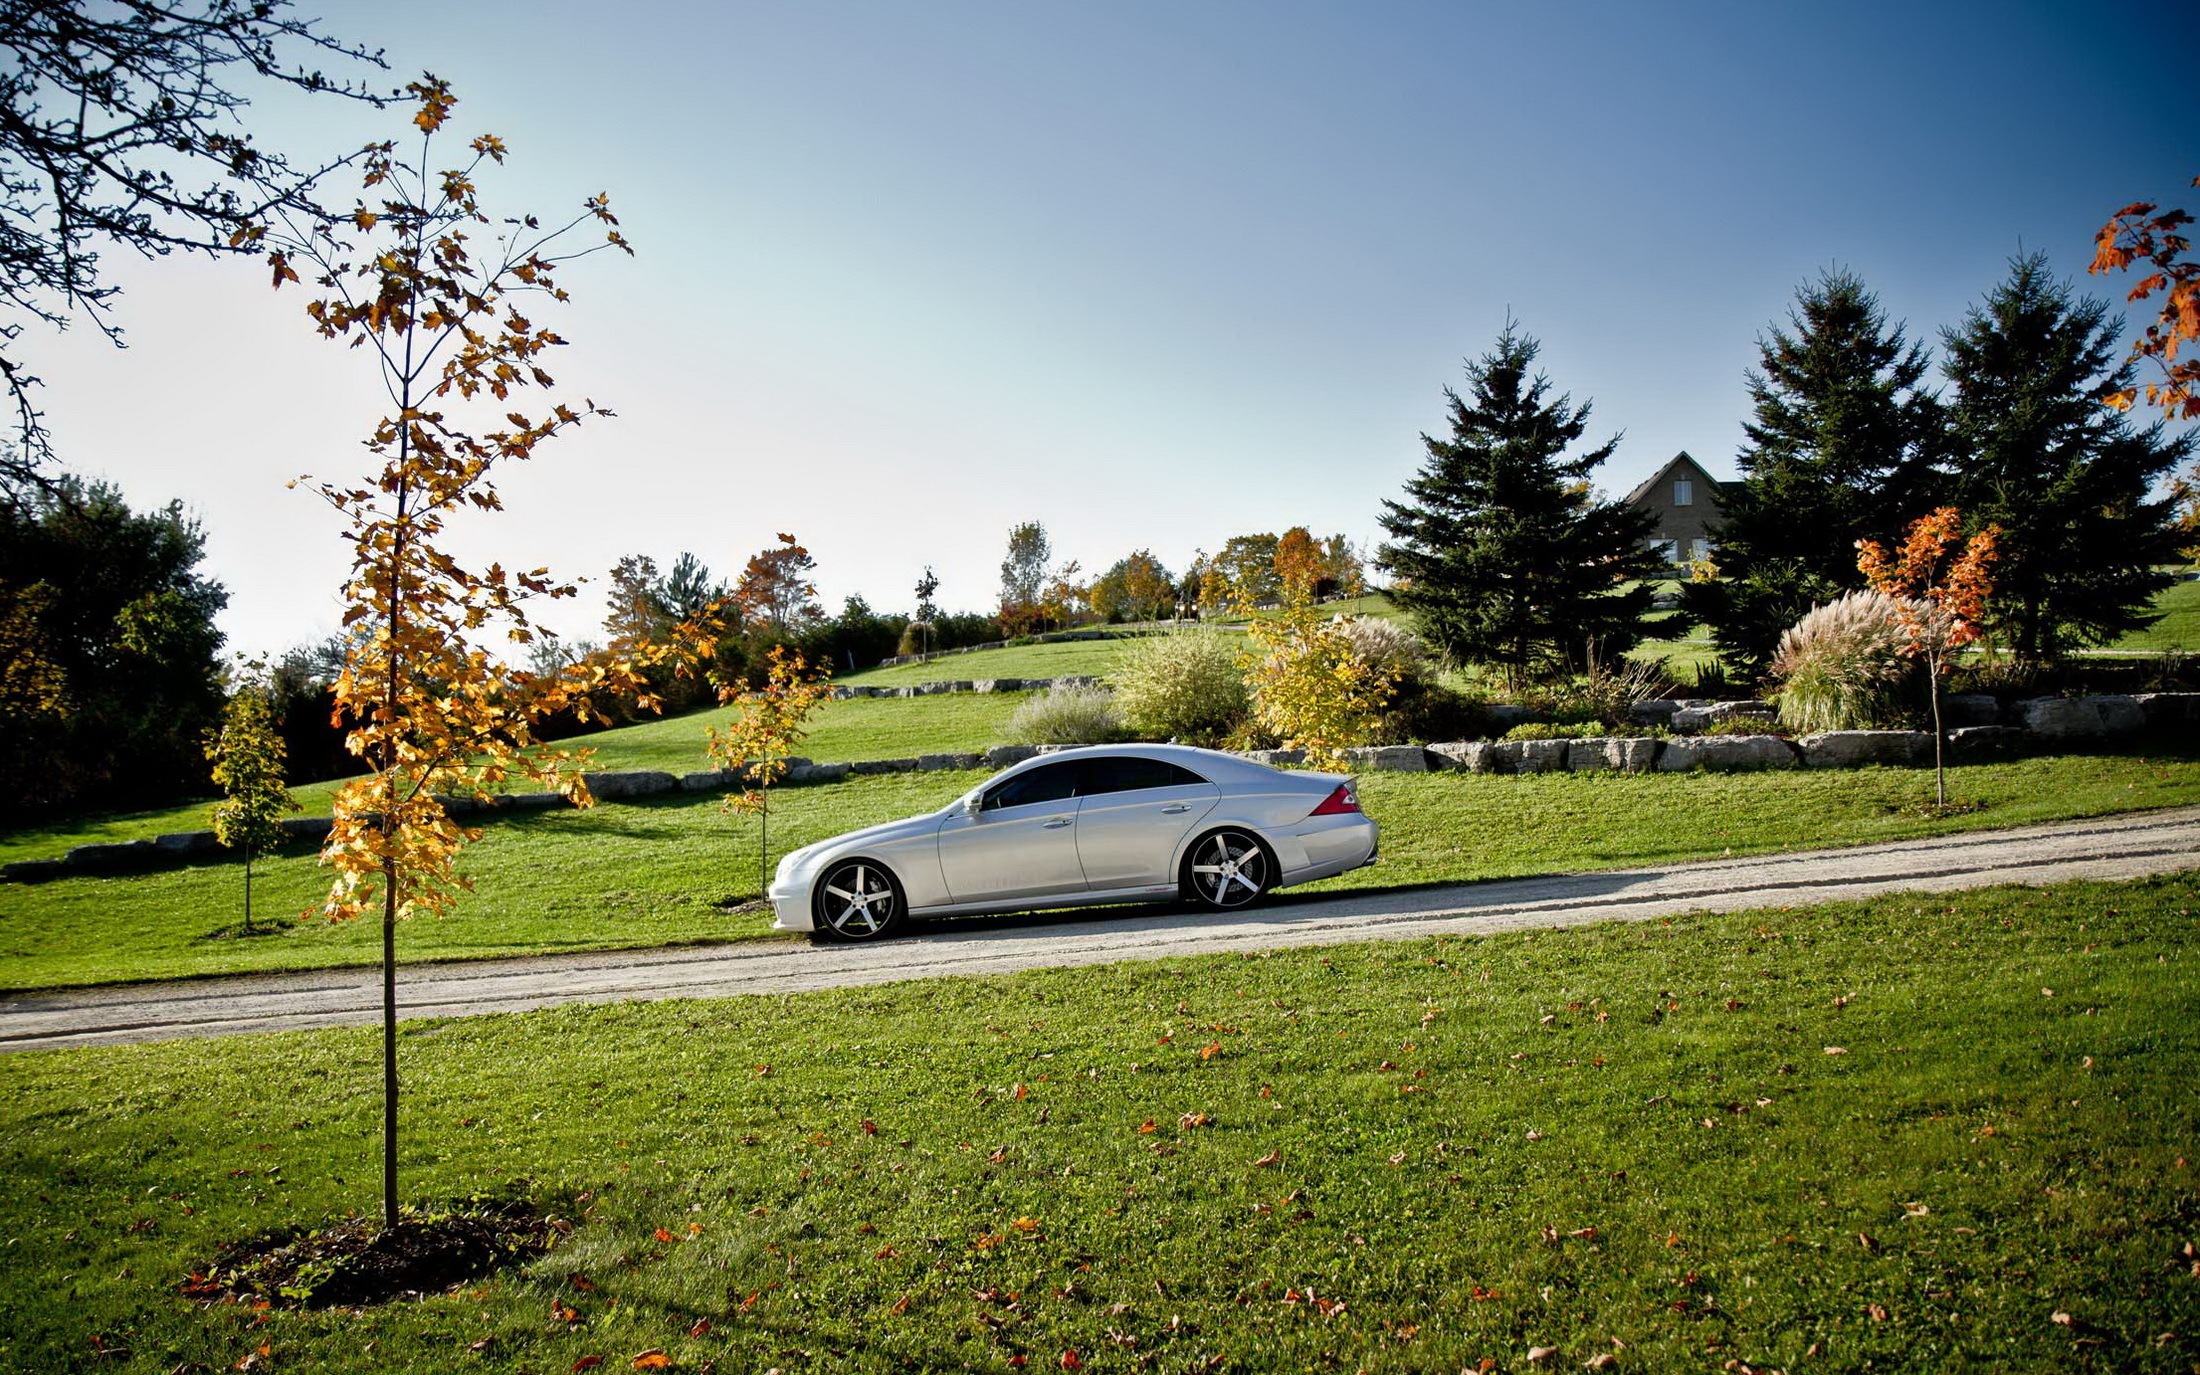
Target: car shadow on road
(1283, 910)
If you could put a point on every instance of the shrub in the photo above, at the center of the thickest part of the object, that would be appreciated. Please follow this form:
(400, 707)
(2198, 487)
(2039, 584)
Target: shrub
(1557, 730)
(1605, 694)
(1427, 710)
(1184, 686)
(1747, 725)
(1067, 716)
(1842, 665)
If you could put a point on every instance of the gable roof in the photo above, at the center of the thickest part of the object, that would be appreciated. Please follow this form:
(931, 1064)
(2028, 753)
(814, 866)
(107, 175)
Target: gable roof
(1673, 465)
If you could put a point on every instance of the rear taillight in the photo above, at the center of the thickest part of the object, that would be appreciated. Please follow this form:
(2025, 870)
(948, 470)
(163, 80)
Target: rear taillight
(1342, 802)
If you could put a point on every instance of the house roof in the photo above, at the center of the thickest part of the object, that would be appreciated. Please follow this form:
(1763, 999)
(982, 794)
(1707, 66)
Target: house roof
(1674, 464)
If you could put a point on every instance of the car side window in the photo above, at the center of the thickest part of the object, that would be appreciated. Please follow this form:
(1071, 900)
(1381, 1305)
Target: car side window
(1052, 783)
(1128, 773)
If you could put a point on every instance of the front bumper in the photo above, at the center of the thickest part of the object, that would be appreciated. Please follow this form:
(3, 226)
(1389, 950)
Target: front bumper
(790, 906)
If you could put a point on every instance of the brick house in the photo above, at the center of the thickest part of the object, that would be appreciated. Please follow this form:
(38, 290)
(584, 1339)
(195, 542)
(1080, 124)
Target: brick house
(1685, 500)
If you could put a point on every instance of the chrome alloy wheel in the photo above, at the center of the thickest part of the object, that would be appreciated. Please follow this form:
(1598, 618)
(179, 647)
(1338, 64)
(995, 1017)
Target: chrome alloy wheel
(858, 901)
(1228, 869)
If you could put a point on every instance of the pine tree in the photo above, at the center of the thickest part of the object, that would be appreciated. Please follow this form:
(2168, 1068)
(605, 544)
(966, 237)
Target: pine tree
(1841, 447)
(2068, 479)
(1501, 551)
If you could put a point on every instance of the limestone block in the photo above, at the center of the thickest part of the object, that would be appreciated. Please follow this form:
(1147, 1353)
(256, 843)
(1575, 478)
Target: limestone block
(1847, 749)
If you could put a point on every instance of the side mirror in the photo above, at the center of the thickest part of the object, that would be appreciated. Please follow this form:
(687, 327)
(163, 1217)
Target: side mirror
(973, 804)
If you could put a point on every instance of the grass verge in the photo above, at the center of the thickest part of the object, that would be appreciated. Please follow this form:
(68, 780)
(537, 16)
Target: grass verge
(1953, 1133)
(679, 869)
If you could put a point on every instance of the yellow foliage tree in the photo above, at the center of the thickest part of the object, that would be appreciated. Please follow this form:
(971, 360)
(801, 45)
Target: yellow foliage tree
(1299, 564)
(768, 722)
(428, 285)
(1311, 687)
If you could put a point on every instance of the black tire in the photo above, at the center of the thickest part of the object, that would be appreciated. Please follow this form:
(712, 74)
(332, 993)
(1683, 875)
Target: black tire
(1227, 870)
(858, 900)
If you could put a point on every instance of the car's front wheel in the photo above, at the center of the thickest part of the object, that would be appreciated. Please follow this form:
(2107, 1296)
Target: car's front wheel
(1227, 870)
(858, 900)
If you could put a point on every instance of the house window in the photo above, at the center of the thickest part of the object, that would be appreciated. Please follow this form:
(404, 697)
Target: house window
(1684, 491)
(1667, 549)
(1699, 550)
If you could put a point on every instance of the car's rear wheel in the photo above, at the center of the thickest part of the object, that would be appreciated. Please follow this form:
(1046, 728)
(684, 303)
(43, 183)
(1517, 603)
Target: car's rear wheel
(858, 900)
(1227, 870)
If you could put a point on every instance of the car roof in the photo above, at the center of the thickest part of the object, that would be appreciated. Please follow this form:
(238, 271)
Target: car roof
(1213, 765)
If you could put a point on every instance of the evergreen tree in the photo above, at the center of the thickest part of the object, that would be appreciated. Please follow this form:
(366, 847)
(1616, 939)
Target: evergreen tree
(1841, 447)
(2068, 479)
(109, 607)
(1501, 550)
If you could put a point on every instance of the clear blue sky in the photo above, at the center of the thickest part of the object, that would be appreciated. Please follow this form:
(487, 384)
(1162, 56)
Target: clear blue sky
(1153, 274)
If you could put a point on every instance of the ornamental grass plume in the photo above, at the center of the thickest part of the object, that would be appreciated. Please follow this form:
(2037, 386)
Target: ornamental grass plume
(1840, 666)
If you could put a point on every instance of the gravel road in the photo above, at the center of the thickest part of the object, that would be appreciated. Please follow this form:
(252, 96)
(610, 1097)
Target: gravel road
(2128, 846)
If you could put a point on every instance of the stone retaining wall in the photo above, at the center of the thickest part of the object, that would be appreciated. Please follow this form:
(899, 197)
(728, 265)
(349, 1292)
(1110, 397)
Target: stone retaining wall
(2046, 721)
(843, 691)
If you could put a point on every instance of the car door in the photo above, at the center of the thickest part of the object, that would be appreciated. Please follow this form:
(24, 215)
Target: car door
(1021, 842)
(1134, 814)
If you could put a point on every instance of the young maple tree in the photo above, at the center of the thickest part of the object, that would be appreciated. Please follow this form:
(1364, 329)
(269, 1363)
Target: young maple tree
(248, 758)
(431, 288)
(1940, 581)
(769, 720)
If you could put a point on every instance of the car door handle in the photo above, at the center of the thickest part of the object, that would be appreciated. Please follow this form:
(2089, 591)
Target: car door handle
(1174, 807)
(1057, 823)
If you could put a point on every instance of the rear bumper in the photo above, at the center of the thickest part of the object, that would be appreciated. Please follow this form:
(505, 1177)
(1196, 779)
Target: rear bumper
(1331, 845)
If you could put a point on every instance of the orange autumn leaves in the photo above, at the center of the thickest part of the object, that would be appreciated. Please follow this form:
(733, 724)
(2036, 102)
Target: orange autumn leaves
(2142, 232)
(1939, 580)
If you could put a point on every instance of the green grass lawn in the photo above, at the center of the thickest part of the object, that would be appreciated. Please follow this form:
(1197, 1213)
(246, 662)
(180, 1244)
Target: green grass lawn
(664, 871)
(1063, 658)
(2179, 628)
(1630, 1140)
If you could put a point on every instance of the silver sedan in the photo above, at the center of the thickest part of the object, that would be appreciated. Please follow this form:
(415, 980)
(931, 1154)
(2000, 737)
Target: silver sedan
(1101, 824)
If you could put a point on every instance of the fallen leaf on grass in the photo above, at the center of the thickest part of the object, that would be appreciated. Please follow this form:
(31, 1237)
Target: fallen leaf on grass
(1191, 1121)
(1535, 1136)
(1837, 1050)
(1539, 1354)
(563, 1312)
(1603, 1360)
(1867, 1241)
(652, 1359)
(587, 1363)
(1025, 1224)
(1480, 1295)
(1147, 1127)
(2062, 1319)
(1070, 1361)
(701, 1328)
(1210, 1050)
(1272, 1158)
(1876, 1313)
(1916, 1209)
(580, 1281)
(483, 1345)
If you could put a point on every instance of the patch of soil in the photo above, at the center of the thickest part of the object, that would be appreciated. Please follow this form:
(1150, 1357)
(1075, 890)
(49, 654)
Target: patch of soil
(235, 930)
(357, 1261)
(742, 907)
(1933, 811)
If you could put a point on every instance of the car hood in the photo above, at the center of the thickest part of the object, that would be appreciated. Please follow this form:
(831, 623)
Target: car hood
(909, 828)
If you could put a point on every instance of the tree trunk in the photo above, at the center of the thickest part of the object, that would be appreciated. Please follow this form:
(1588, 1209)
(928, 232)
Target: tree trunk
(1940, 768)
(389, 1043)
(248, 890)
(764, 845)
